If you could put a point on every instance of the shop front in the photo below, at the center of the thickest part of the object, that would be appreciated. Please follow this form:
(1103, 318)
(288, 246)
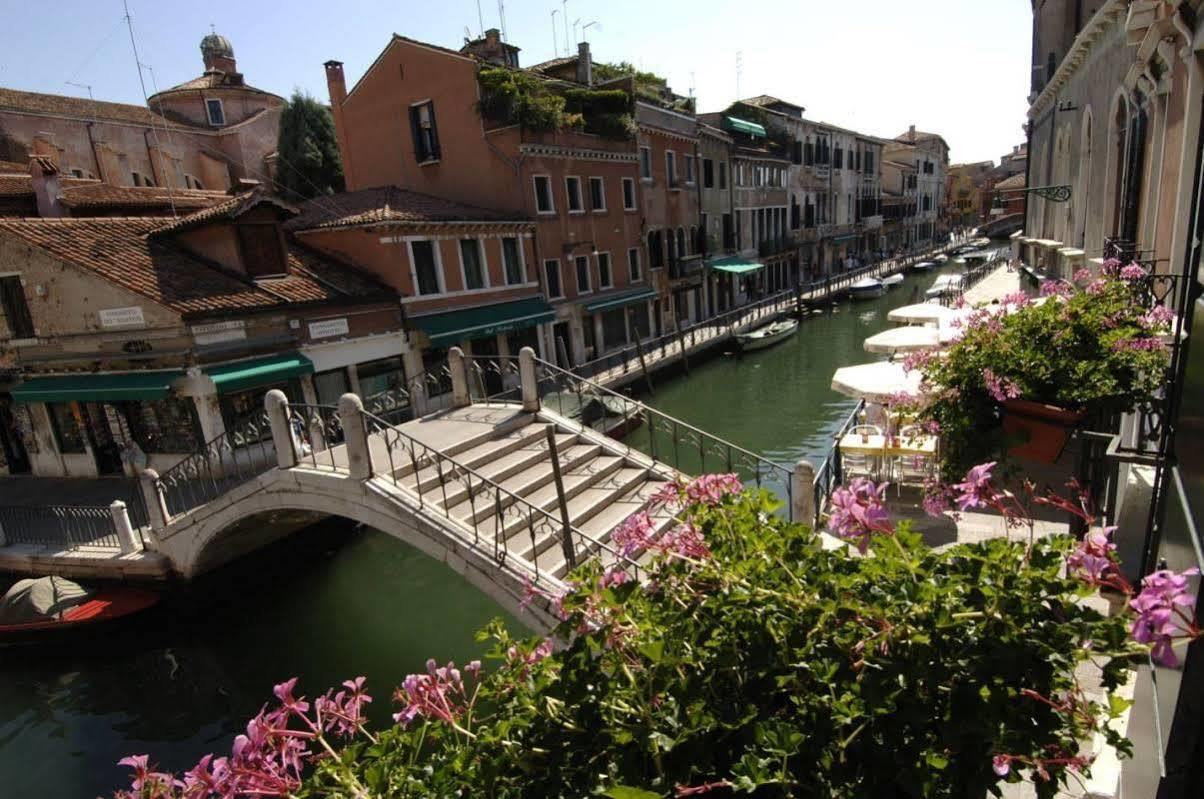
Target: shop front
(745, 279)
(619, 320)
(242, 386)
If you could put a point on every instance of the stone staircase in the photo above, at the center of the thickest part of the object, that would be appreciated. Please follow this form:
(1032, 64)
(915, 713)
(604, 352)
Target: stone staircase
(502, 462)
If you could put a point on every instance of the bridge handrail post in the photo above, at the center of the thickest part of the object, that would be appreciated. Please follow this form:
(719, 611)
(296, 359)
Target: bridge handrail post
(355, 436)
(276, 404)
(127, 539)
(802, 494)
(461, 396)
(528, 380)
(157, 515)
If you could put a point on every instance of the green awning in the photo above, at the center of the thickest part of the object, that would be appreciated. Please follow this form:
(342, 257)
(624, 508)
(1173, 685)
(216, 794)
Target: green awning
(621, 300)
(846, 237)
(97, 388)
(737, 266)
(743, 126)
(258, 371)
(445, 329)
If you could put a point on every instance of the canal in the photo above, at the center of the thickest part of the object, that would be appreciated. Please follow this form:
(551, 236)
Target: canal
(336, 601)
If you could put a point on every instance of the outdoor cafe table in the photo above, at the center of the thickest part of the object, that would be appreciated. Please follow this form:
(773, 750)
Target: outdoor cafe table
(878, 446)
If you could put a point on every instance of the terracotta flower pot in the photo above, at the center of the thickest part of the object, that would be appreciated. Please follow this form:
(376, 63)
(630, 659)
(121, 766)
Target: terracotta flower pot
(1042, 429)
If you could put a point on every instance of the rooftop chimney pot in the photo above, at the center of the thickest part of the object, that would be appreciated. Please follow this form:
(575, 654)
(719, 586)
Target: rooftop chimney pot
(585, 65)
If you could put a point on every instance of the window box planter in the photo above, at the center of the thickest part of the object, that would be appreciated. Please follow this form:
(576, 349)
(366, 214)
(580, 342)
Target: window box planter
(1042, 429)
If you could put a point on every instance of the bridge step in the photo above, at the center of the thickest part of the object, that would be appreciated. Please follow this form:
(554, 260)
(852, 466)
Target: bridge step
(494, 460)
(526, 480)
(459, 431)
(428, 477)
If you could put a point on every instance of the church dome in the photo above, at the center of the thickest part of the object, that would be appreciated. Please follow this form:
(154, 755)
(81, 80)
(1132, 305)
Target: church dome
(216, 45)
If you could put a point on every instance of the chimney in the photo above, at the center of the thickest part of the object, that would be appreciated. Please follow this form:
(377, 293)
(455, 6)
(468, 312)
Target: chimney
(45, 177)
(585, 65)
(336, 87)
(911, 132)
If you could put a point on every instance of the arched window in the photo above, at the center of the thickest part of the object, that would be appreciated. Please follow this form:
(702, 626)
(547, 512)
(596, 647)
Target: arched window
(1117, 151)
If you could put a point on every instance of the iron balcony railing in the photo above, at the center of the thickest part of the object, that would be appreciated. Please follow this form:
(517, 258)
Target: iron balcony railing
(775, 246)
(68, 527)
(502, 522)
(830, 472)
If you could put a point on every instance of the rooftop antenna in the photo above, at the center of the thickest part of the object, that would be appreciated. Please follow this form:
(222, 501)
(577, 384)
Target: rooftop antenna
(129, 24)
(87, 86)
(501, 17)
(564, 5)
(691, 83)
(555, 41)
(739, 70)
(480, 19)
(576, 22)
(587, 25)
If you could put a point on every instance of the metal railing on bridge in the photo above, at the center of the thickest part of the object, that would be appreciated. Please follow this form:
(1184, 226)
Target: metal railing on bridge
(68, 527)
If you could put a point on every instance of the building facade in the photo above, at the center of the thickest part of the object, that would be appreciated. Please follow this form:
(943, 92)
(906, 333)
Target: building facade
(929, 154)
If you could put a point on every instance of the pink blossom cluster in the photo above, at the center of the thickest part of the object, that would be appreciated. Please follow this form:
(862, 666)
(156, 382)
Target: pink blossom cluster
(1083, 275)
(707, 489)
(1162, 607)
(1056, 288)
(439, 694)
(1001, 389)
(1094, 559)
(976, 490)
(1002, 764)
(1141, 344)
(858, 513)
(523, 661)
(1133, 272)
(1158, 318)
(639, 533)
(268, 760)
(1017, 299)
(917, 360)
(1096, 286)
(1111, 266)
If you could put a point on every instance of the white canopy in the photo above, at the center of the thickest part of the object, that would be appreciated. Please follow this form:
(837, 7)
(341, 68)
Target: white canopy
(921, 313)
(876, 382)
(904, 339)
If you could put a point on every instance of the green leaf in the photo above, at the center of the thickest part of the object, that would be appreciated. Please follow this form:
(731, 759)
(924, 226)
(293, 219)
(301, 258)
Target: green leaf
(653, 650)
(627, 792)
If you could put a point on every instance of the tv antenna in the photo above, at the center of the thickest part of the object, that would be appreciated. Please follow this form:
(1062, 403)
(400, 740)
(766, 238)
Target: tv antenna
(501, 17)
(555, 41)
(739, 70)
(87, 86)
(564, 6)
(480, 19)
(587, 26)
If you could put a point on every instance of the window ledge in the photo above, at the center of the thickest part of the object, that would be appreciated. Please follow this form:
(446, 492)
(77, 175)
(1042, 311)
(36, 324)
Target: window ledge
(599, 210)
(545, 213)
(647, 181)
(576, 213)
(430, 162)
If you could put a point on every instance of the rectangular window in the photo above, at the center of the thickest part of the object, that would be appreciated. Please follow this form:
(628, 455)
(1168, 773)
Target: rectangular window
(723, 174)
(262, 250)
(597, 195)
(628, 194)
(551, 270)
(838, 160)
(808, 153)
(671, 168)
(572, 188)
(633, 265)
(425, 260)
(796, 154)
(474, 264)
(512, 260)
(582, 264)
(689, 170)
(16, 309)
(605, 280)
(426, 135)
(646, 163)
(67, 427)
(543, 195)
(217, 115)
(708, 173)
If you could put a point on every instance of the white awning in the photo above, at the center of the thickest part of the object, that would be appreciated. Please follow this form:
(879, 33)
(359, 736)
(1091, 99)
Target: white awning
(904, 339)
(921, 313)
(876, 382)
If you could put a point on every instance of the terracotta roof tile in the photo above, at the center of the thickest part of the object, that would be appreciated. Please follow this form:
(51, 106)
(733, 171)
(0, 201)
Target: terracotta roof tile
(13, 168)
(553, 63)
(210, 79)
(227, 209)
(390, 204)
(104, 195)
(61, 105)
(121, 251)
(1014, 182)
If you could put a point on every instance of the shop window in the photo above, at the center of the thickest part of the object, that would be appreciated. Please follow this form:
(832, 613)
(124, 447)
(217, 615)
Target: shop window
(512, 260)
(68, 431)
(438, 377)
(16, 309)
(614, 328)
(383, 386)
(262, 247)
(331, 385)
(166, 425)
(243, 410)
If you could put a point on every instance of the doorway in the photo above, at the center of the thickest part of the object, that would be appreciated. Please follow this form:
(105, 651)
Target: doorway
(104, 427)
(12, 444)
(489, 372)
(564, 349)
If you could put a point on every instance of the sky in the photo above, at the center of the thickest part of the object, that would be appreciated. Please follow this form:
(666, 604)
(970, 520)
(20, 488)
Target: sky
(955, 67)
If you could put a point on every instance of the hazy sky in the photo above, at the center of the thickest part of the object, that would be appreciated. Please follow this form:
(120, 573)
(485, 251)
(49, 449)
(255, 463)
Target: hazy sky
(956, 67)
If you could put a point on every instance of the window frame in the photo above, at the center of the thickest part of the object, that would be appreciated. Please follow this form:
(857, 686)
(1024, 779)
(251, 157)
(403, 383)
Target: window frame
(691, 178)
(610, 270)
(414, 266)
(636, 275)
(221, 109)
(645, 163)
(589, 282)
(551, 195)
(24, 314)
(464, 267)
(601, 184)
(435, 154)
(522, 260)
(723, 175)
(708, 173)
(671, 170)
(568, 195)
(559, 295)
(634, 206)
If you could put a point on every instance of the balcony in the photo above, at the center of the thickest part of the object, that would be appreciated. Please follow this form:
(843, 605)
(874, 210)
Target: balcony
(686, 266)
(872, 222)
(775, 246)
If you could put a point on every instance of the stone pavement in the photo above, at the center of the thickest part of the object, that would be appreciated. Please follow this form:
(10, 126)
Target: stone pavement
(995, 286)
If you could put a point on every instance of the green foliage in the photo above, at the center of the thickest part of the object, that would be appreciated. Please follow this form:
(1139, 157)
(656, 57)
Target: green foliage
(1069, 352)
(308, 163)
(604, 71)
(515, 97)
(774, 668)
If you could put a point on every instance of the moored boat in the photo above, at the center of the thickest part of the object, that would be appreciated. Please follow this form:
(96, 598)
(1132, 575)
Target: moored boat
(944, 284)
(34, 609)
(604, 413)
(890, 281)
(923, 266)
(867, 288)
(768, 335)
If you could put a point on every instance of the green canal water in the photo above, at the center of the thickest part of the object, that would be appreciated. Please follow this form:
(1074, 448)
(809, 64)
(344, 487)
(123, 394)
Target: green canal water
(335, 601)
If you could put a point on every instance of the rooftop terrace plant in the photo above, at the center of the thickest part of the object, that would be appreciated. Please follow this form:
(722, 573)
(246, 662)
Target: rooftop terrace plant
(752, 661)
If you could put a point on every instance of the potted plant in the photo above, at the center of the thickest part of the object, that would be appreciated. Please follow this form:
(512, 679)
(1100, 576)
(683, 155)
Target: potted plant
(1025, 372)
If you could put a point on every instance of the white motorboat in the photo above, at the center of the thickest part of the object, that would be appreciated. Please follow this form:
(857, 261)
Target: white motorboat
(867, 288)
(768, 335)
(892, 280)
(944, 284)
(923, 266)
(940, 259)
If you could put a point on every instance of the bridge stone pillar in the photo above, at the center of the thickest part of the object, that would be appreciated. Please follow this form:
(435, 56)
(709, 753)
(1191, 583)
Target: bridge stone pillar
(276, 404)
(355, 436)
(157, 515)
(127, 538)
(459, 375)
(802, 493)
(527, 379)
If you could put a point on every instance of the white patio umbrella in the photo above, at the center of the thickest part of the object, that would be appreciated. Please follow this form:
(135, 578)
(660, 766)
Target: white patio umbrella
(876, 382)
(920, 313)
(904, 339)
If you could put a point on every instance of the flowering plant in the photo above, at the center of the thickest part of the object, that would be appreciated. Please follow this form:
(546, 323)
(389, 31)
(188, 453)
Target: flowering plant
(1095, 345)
(744, 658)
